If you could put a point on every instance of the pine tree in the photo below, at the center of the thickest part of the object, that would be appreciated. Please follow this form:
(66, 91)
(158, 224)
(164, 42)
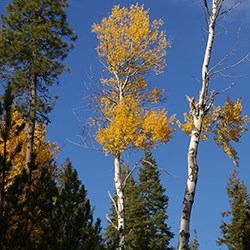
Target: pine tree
(72, 220)
(30, 229)
(194, 243)
(134, 216)
(155, 202)
(24, 221)
(111, 234)
(6, 125)
(34, 40)
(145, 211)
(236, 233)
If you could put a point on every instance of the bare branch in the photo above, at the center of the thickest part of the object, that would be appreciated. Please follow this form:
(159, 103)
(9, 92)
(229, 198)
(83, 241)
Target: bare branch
(206, 8)
(113, 201)
(244, 59)
(129, 174)
(229, 76)
(111, 222)
(234, 6)
(161, 169)
(84, 144)
(224, 90)
(210, 101)
(231, 52)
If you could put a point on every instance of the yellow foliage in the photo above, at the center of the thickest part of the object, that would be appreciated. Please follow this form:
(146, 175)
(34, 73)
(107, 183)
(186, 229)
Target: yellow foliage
(188, 125)
(122, 129)
(130, 126)
(129, 44)
(225, 122)
(229, 126)
(45, 151)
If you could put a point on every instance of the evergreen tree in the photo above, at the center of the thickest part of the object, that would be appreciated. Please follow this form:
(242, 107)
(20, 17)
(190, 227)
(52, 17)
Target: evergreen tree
(34, 40)
(30, 229)
(194, 244)
(72, 220)
(6, 125)
(145, 211)
(236, 234)
(134, 216)
(155, 202)
(21, 229)
(111, 234)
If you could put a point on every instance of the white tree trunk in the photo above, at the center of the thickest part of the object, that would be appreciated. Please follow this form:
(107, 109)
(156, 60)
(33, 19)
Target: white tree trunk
(120, 201)
(198, 113)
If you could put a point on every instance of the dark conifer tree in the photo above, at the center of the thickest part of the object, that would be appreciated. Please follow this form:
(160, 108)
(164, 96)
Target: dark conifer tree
(111, 235)
(72, 221)
(6, 124)
(236, 233)
(34, 40)
(134, 216)
(155, 201)
(19, 230)
(30, 229)
(194, 243)
(145, 211)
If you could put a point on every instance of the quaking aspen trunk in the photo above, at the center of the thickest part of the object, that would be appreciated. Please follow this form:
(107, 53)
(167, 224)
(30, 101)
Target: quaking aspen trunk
(198, 112)
(120, 201)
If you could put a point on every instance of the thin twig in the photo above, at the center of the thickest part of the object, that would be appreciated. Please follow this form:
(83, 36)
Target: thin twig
(129, 174)
(211, 71)
(222, 14)
(244, 59)
(111, 222)
(206, 8)
(161, 169)
(224, 90)
(113, 201)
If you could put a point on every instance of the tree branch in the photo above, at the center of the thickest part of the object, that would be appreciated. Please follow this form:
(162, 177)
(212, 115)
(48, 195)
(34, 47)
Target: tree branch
(113, 201)
(111, 222)
(244, 59)
(129, 174)
(206, 8)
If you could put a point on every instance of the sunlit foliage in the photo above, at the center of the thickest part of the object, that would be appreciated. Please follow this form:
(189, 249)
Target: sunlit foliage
(129, 46)
(129, 43)
(131, 126)
(45, 151)
(226, 123)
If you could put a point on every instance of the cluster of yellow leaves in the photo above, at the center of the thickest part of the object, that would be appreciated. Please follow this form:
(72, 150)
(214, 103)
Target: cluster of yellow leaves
(187, 127)
(129, 43)
(229, 126)
(129, 46)
(45, 151)
(225, 122)
(45, 155)
(131, 126)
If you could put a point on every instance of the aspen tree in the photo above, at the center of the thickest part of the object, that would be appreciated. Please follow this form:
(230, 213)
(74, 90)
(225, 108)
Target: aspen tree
(129, 47)
(225, 122)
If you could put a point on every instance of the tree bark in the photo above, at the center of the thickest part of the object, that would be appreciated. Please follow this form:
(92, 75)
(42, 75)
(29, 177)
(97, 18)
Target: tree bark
(120, 201)
(31, 126)
(198, 113)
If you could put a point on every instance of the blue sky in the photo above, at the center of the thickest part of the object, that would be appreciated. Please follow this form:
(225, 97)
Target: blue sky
(185, 23)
